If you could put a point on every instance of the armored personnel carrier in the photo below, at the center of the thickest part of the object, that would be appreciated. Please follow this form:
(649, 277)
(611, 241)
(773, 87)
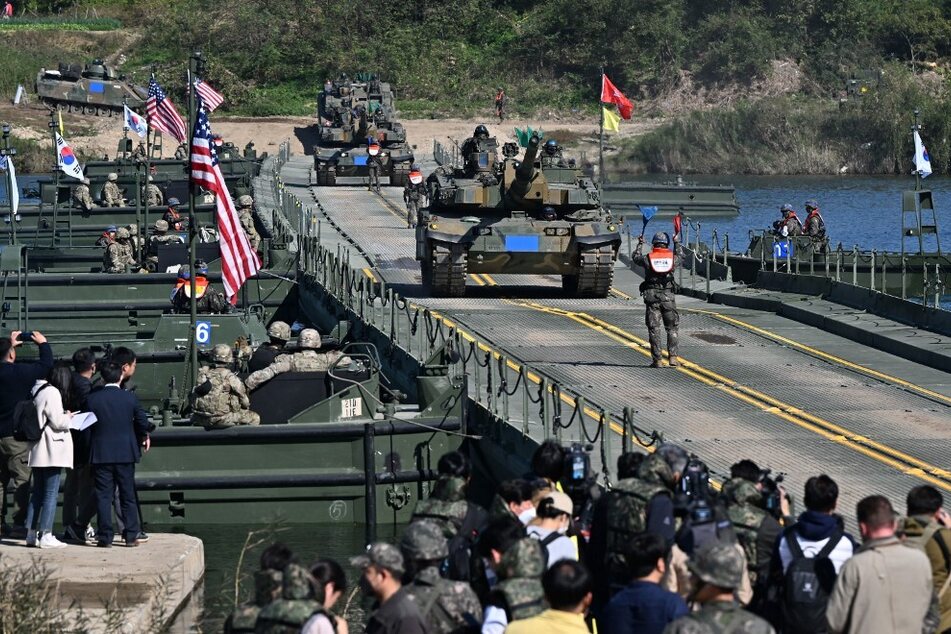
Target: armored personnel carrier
(356, 120)
(535, 216)
(93, 89)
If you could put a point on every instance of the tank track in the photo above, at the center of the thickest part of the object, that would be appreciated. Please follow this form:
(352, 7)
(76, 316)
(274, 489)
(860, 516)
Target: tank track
(444, 275)
(595, 274)
(326, 176)
(84, 109)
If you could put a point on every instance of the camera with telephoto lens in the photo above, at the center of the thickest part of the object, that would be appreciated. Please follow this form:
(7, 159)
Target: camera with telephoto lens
(694, 485)
(772, 493)
(579, 484)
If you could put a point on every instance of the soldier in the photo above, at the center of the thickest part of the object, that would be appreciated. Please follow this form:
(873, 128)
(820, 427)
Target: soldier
(118, 257)
(82, 198)
(519, 592)
(139, 153)
(207, 300)
(111, 194)
(153, 195)
(268, 586)
(306, 360)
(300, 599)
(657, 289)
(108, 237)
(552, 154)
(374, 167)
(789, 225)
(414, 193)
(181, 152)
(447, 503)
(159, 237)
(382, 570)
(220, 398)
(719, 571)
(500, 102)
(246, 216)
(449, 607)
(279, 333)
(175, 220)
(815, 226)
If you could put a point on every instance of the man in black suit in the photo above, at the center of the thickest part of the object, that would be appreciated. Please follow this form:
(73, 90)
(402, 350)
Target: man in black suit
(114, 448)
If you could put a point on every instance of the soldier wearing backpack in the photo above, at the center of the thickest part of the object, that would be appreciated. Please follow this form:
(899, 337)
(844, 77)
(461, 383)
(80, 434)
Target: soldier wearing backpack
(928, 528)
(16, 383)
(808, 557)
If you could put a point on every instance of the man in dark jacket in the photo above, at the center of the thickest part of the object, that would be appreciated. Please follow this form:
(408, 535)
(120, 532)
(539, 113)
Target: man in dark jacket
(121, 427)
(395, 612)
(79, 500)
(16, 381)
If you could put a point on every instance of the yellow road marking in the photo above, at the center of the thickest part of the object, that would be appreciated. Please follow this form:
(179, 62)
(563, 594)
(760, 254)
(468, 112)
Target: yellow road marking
(475, 278)
(826, 356)
(369, 273)
(619, 293)
(894, 458)
(488, 278)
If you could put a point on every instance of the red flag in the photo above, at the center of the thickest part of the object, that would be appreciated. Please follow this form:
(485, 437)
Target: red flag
(610, 94)
(238, 259)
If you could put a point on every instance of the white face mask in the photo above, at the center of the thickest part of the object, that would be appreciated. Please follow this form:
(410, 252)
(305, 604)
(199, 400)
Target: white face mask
(527, 516)
(564, 528)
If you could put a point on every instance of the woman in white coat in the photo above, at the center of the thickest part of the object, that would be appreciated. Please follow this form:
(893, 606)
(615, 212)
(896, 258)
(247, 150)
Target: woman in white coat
(48, 456)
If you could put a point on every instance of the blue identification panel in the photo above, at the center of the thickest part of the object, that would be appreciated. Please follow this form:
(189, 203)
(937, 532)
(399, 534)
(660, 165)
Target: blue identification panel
(521, 243)
(360, 160)
(97, 87)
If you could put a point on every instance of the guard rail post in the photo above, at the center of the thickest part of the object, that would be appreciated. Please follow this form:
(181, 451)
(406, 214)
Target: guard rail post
(708, 274)
(904, 269)
(855, 265)
(774, 254)
(369, 473)
(871, 272)
(937, 285)
(884, 274)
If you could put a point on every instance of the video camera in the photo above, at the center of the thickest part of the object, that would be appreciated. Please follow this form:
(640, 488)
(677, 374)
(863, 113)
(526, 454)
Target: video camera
(694, 485)
(703, 519)
(579, 484)
(773, 493)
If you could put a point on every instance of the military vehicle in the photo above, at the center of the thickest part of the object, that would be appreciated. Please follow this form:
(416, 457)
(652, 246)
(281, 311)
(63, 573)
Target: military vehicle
(332, 447)
(539, 216)
(356, 121)
(95, 88)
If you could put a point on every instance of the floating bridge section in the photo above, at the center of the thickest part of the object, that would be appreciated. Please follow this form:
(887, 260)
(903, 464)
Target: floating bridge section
(753, 384)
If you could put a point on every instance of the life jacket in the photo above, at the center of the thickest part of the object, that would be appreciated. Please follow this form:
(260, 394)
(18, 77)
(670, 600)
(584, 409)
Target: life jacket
(661, 260)
(822, 223)
(201, 285)
(792, 214)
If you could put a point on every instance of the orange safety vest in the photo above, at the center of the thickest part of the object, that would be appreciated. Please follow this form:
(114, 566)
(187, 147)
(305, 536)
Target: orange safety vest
(661, 260)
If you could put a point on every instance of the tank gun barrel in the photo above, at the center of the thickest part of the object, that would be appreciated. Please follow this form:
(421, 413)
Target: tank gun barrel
(526, 168)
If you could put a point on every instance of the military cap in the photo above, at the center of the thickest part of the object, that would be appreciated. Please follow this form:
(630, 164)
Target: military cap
(245, 201)
(161, 225)
(381, 555)
(718, 564)
(655, 469)
(786, 207)
(309, 339)
(202, 267)
(812, 204)
(221, 353)
(279, 330)
(111, 229)
(423, 540)
(173, 202)
(123, 234)
(297, 583)
(660, 238)
(113, 176)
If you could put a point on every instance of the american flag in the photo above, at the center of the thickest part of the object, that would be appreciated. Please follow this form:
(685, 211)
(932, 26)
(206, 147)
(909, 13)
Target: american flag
(238, 259)
(209, 96)
(162, 115)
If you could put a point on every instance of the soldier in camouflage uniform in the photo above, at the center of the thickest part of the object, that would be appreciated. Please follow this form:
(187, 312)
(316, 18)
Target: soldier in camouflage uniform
(153, 195)
(756, 530)
(519, 591)
(221, 399)
(81, 196)
(268, 586)
(300, 599)
(118, 255)
(181, 152)
(449, 607)
(278, 335)
(306, 360)
(160, 236)
(446, 505)
(111, 194)
(657, 290)
(374, 167)
(719, 572)
(246, 216)
(414, 195)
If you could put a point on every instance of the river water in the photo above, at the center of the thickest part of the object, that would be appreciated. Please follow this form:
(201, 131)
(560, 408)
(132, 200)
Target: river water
(862, 210)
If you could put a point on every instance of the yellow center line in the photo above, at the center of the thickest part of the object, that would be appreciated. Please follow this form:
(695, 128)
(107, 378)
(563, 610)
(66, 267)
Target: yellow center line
(619, 293)
(827, 357)
(369, 273)
(836, 433)
(475, 278)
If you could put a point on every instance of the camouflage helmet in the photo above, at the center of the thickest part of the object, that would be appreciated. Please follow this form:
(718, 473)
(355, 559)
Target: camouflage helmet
(245, 201)
(661, 237)
(309, 339)
(524, 558)
(279, 330)
(741, 491)
(113, 176)
(812, 204)
(718, 564)
(381, 555)
(655, 469)
(221, 353)
(786, 208)
(133, 229)
(123, 234)
(423, 540)
(298, 583)
(267, 586)
(161, 226)
(173, 202)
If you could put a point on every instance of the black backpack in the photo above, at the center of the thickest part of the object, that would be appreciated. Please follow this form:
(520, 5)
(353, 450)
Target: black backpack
(26, 420)
(457, 566)
(807, 585)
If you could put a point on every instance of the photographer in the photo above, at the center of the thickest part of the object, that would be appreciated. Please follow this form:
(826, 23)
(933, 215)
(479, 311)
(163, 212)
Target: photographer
(756, 529)
(17, 380)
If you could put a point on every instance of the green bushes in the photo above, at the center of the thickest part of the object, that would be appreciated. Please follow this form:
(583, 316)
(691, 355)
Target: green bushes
(60, 24)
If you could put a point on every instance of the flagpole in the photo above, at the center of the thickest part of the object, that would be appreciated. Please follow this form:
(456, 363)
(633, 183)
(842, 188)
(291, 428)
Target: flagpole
(916, 128)
(148, 173)
(193, 64)
(9, 152)
(601, 136)
(56, 173)
(138, 185)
